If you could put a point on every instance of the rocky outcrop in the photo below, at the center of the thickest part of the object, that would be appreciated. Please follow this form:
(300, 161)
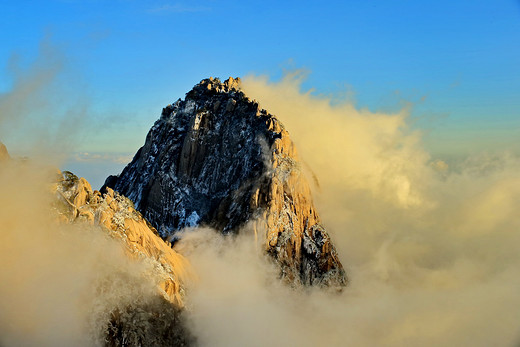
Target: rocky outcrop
(218, 159)
(143, 321)
(4, 155)
(76, 202)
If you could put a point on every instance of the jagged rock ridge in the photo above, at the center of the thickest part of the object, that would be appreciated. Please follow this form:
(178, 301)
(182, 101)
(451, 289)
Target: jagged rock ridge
(144, 321)
(113, 307)
(217, 159)
(76, 202)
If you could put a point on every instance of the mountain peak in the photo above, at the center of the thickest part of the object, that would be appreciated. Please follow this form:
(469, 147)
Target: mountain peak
(216, 159)
(211, 86)
(215, 84)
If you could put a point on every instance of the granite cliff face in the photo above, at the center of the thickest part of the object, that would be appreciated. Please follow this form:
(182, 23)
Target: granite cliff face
(217, 159)
(77, 203)
(137, 321)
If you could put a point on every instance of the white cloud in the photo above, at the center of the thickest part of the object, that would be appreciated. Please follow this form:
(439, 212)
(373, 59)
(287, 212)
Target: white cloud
(431, 250)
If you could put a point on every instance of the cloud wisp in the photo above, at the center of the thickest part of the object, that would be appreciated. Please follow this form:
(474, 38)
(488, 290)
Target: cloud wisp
(60, 284)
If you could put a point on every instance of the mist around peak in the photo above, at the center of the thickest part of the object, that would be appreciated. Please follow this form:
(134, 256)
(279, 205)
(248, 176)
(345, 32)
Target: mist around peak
(430, 247)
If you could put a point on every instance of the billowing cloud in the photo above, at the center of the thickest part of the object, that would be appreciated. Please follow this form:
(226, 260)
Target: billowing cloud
(59, 284)
(431, 250)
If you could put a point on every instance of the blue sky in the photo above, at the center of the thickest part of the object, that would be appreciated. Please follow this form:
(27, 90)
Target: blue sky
(457, 62)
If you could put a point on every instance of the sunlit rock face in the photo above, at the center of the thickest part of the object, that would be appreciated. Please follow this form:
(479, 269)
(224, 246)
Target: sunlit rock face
(143, 321)
(77, 203)
(217, 159)
(4, 155)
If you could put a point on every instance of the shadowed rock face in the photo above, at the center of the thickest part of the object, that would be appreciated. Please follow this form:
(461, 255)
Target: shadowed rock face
(217, 159)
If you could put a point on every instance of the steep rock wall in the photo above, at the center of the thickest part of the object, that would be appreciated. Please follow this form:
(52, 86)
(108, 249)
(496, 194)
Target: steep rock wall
(217, 159)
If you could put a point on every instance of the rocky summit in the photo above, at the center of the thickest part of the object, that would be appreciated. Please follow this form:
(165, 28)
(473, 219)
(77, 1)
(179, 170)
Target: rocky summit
(217, 159)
